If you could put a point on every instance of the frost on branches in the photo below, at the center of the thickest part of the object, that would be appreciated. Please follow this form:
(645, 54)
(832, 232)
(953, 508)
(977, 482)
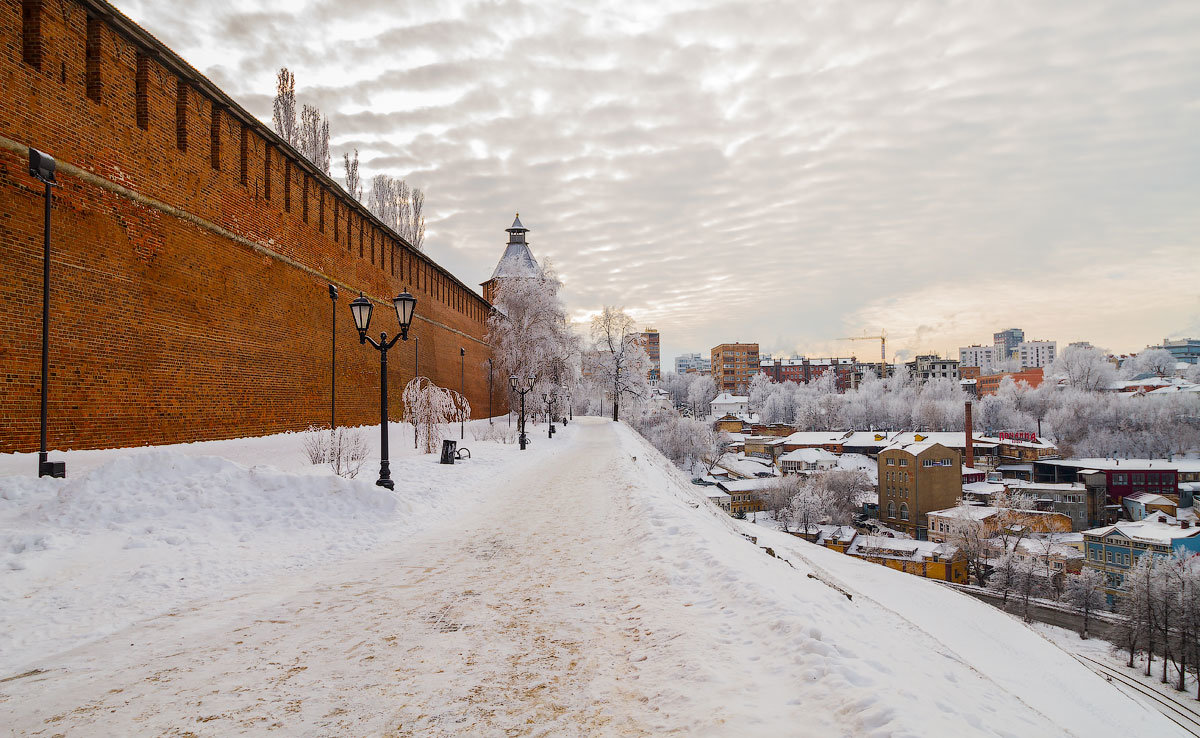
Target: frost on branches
(430, 407)
(529, 332)
(618, 358)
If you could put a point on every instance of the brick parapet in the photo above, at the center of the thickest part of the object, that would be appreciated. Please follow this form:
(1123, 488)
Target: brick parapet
(187, 305)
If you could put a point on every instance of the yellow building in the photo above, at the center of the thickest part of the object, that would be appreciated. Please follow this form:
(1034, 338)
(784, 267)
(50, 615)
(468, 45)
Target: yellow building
(922, 558)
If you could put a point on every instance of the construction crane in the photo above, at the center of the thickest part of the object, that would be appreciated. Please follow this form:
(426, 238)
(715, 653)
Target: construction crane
(882, 338)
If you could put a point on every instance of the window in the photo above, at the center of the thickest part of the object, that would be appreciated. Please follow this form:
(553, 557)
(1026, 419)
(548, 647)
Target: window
(1108, 556)
(891, 509)
(1139, 478)
(92, 59)
(141, 95)
(31, 32)
(287, 185)
(1120, 479)
(903, 462)
(267, 171)
(243, 154)
(181, 115)
(214, 138)
(904, 511)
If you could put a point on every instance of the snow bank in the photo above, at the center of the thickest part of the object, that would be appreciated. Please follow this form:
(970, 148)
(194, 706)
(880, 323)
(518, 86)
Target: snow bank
(133, 533)
(882, 652)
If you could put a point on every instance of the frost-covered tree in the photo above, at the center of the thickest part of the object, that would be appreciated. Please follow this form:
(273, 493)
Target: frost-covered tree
(620, 357)
(430, 408)
(529, 332)
(353, 183)
(1155, 361)
(1083, 368)
(314, 137)
(284, 114)
(400, 207)
(970, 536)
(701, 393)
(1085, 591)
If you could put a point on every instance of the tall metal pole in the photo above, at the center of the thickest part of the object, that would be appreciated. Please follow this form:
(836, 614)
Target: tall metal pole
(385, 472)
(333, 295)
(462, 389)
(45, 331)
(490, 391)
(416, 373)
(521, 422)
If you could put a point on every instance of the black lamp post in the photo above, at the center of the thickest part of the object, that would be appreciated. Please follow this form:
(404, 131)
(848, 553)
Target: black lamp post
(521, 390)
(333, 361)
(490, 422)
(570, 407)
(41, 168)
(361, 309)
(549, 399)
(416, 373)
(462, 389)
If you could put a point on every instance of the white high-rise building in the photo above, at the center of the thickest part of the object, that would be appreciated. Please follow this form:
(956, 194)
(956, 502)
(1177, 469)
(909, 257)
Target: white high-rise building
(692, 362)
(1036, 353)
(984, 357)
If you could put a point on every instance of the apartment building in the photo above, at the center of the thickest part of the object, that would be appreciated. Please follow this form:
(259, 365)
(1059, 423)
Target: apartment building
(1006, 342)
(649, 341)
(1036, 354)
(982, 358)
(931, 366)
(734, 365)
(689, 363)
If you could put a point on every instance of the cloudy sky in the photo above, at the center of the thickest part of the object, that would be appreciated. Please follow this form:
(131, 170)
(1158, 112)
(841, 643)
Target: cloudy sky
(781, 172)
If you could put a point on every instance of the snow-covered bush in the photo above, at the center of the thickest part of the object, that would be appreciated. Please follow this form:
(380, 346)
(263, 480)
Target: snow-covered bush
(493, 432)
(344, 449)
(429, 407)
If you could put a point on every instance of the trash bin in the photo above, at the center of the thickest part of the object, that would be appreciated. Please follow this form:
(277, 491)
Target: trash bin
(449, 448)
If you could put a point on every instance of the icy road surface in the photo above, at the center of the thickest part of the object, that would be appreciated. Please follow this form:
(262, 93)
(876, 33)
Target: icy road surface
(592, 594)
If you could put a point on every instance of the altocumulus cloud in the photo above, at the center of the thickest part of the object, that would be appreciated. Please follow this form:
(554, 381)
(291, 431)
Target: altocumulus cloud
(786, 172)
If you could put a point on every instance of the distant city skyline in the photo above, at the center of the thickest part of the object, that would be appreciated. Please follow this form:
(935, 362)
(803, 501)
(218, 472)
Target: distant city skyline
(774, 172)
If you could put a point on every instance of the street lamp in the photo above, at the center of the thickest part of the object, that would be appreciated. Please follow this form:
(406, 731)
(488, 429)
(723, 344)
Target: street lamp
(523, 390)
(549, 399)
(361, 309)
(41, 168)
(333, 361)
(462, 390)
(490, 422)
(570, 407)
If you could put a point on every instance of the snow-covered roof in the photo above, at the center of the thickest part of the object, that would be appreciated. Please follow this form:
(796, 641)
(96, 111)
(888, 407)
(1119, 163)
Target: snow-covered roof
(983, 488)
(765, 440)
(1147, 531)
(517, 261)
(745, 485)
(809, 455)
(815, 438)
(1183, 465)
(1149, 498)
(972, 512)
(1050, 486)
(899, 548)
(726, 398)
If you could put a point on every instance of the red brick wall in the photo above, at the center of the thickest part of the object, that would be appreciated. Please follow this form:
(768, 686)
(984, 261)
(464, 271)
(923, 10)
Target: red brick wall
(163, 327)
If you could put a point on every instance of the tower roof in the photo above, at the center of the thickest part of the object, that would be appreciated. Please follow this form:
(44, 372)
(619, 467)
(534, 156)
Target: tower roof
(517, 260)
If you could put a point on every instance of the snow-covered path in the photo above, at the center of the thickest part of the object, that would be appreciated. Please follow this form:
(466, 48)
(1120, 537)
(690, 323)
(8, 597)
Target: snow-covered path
(589, 595)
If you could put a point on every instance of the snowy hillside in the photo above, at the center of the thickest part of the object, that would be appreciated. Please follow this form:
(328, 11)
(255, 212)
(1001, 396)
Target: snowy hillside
(583, 588)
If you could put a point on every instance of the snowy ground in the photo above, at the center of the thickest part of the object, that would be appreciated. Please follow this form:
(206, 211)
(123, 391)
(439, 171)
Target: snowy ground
(136, 532)
(583, 589)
